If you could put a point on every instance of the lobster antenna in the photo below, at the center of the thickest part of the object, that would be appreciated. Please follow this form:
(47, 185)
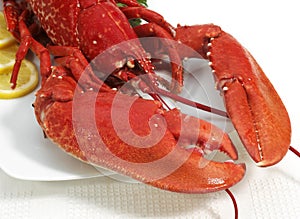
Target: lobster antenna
(156, 90)
(292, 149)
(234, 203)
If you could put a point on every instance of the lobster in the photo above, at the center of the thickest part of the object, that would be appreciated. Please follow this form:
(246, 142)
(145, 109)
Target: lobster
(161, 158)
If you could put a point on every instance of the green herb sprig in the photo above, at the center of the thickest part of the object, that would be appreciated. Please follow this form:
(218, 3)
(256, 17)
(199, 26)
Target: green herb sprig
(136, 21)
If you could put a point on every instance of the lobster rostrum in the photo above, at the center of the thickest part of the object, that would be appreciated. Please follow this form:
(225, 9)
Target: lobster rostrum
(81, 30)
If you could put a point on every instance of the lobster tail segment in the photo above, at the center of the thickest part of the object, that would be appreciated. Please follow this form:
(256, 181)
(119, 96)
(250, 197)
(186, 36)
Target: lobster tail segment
(252, 103)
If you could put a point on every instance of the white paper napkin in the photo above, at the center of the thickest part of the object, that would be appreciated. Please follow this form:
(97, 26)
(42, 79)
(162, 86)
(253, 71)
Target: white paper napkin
(264, 193)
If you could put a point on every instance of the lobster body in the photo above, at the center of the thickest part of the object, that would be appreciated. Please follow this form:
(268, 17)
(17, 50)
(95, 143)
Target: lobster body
(93, 27)
(150, 143)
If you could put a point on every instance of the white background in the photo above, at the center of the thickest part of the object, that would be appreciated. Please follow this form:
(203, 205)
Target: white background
(270, 31)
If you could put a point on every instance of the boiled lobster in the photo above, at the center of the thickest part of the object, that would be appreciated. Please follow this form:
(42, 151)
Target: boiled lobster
(79, 110)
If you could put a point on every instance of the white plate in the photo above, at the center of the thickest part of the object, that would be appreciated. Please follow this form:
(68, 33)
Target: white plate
(26, 154)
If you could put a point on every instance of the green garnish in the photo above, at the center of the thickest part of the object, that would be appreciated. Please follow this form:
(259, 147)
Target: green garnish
(143, 2)
(136, 21)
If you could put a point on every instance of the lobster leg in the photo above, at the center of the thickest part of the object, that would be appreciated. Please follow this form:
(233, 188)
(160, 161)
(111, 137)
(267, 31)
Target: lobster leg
(158, 27)
(148, 15)
(154, 30)
(73, 59)
(12, 11)
(251, 101)
(27, 42)
(94, 128)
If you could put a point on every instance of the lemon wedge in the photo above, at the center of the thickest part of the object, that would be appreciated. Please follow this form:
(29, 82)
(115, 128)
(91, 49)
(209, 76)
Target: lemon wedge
(6, 37)
(26, 83)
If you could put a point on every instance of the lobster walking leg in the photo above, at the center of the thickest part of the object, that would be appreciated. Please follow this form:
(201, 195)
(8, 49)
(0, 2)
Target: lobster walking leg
(28, 42)
(73, 59)
(148, 15)
(158, 27)
(251, 101)
(154, 30)
(12, 12)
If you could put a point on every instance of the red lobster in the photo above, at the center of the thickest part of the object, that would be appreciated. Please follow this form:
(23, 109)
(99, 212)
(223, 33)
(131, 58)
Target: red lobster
(81, 30)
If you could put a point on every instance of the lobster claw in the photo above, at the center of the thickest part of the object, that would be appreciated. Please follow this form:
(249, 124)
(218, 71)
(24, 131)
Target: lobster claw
(151, 148)
(153, 151)
(135, 137)
(252, 103)
(197, 174)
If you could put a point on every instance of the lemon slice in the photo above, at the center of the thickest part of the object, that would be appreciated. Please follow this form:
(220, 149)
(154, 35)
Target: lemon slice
(28, 74)
(27, 81)
(6, 37)
(7, 60)
(7, 57)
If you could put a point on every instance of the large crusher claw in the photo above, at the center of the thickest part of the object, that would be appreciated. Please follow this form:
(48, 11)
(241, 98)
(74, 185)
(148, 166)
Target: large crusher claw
(135, 137)
(252, 103)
